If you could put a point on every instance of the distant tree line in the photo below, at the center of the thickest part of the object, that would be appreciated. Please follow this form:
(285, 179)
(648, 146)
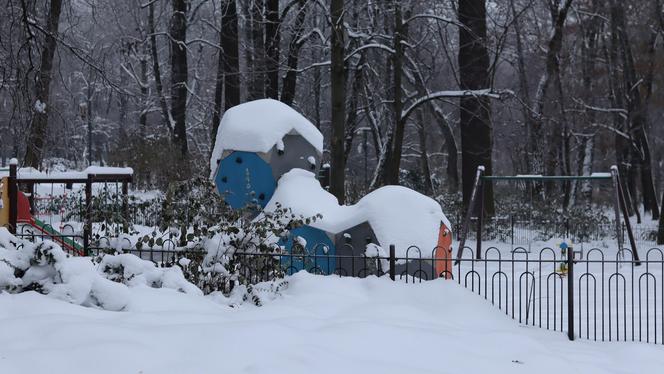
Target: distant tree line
(412, 92)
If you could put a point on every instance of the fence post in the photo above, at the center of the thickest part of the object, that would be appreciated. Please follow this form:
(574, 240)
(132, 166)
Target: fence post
(570, 293)
(12, 190)
(87, 228)
(480, 221)
(125, 206)
(393, 263)
(512, 224)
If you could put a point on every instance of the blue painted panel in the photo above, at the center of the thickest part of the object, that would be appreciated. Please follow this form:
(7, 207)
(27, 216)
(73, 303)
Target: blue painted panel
(317, 243)
(243, 178)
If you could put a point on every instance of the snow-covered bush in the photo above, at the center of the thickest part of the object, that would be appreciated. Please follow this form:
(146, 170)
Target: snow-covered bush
(213, 232)
(45, 268)
(133, 271)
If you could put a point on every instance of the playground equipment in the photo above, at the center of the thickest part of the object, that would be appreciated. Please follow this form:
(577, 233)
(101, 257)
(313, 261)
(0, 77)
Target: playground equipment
(19, 193)
(267, 155)
(476, 209)
(257, 142)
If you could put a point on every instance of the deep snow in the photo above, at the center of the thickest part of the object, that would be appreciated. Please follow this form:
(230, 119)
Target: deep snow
(397, 215)
(318, 324)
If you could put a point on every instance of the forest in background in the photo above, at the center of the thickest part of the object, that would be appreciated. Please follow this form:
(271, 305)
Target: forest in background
(415, 92)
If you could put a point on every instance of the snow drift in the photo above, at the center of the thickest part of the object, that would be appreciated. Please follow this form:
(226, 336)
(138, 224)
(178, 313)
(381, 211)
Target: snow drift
(44, 267)
(322, 324)
(397, 215)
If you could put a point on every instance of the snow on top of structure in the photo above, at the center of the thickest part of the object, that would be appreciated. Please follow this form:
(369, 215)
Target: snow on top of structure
(405, 218)
(398, 215)
(299, 190)
(256, 126)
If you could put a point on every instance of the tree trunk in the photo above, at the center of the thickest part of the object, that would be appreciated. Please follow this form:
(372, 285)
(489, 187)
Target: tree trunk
(219, 83)
(229, 46)
(475, 112)
(536, 143)
(586, 170)
(143, 116)
(351, 119)
(338, 98)
(290, 79)
(272, 40)
(246, 28)
(316, 83)
(622, 145)
(588, 60)
(393, 161)
(424, 155)
(88, 116)
(451, 169)
(257, 78)
(637, 109)
(156, 71)
(35, 143)
(179, 75)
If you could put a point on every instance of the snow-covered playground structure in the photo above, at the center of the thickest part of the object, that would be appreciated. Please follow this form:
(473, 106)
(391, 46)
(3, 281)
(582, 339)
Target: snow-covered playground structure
(268, 154)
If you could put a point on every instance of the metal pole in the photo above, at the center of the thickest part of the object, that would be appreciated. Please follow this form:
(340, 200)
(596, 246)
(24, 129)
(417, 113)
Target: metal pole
(469, 212)
(87, 229)
(366, 159)
(480, 222)
(512, 224)
(570, 293)
(393, 263)
(13, 195)
(125, 206)
(616, 205)
(623, 207)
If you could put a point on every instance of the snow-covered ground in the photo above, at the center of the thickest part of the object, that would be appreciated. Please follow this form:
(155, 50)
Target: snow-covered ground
(321, 324)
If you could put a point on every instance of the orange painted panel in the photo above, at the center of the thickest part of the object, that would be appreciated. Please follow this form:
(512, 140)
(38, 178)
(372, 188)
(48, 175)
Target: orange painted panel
(444, 253)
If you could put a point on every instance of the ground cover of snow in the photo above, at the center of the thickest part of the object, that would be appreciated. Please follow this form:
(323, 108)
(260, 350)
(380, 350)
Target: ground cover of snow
(321, 324)
(259, 125)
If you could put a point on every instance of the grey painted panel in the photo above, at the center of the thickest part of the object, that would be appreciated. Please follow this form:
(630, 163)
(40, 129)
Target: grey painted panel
(295, 155)
(421, 269)
(353, 242)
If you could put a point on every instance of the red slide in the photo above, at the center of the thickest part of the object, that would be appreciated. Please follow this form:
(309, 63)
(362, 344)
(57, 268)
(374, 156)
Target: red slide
(47, 230)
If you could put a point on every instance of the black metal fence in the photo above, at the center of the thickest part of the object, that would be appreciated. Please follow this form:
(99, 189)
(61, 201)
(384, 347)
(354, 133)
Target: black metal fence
(594, 295)
(598, 294)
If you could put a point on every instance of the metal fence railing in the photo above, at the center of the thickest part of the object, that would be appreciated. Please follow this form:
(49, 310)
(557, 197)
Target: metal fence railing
(596, 294)
(591, 295)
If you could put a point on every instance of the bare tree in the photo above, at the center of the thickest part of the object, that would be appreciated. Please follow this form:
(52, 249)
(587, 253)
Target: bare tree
(296, 42)
(474, 112)
(179, 75)
(338, 99)
(228, 65)
(272, 40)
(41, 110)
